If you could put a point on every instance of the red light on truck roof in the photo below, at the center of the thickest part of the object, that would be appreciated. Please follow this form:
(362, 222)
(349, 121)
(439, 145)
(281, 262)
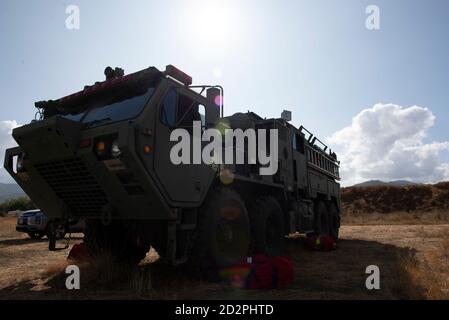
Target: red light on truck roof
(174, 72)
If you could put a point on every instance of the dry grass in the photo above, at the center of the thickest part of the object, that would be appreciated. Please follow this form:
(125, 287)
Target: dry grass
(395, 218)
(387, 199)
(430, 268)
(406, 274)
(424, 272)
(420, 271)
(434, 273)
(413, 260)
(102, 273)
(55, 268)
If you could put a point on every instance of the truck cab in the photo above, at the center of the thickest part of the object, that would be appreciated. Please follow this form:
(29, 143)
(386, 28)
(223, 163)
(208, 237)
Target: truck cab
(103, 152)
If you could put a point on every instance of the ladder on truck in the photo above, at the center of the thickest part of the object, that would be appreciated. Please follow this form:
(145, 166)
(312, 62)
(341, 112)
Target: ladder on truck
(319, 159)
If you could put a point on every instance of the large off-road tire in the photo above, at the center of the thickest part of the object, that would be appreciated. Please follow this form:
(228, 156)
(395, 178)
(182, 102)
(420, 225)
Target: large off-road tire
(158, 238)
(95, 237)
(334, 220)
(132, 253)
(113, 241)
(267, 226)
(223, 234)
(321, 221)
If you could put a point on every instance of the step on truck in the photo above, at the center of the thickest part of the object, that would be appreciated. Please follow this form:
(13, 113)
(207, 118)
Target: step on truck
(103, 155)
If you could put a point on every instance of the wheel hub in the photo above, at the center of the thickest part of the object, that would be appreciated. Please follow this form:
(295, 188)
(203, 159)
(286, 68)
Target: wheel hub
(225, 232)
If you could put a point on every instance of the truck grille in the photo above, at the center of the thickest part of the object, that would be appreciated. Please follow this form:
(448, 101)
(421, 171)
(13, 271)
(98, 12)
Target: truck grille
(72, 182)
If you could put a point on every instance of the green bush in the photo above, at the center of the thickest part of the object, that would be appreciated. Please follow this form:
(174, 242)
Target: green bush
(22, 203)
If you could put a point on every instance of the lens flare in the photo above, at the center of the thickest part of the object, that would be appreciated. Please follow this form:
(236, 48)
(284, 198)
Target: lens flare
(218, 100)
(230, 212)
(222, 126)
(235, 276)
(226, 176)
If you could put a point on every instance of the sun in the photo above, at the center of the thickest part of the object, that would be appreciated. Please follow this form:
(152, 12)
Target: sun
(209, 25)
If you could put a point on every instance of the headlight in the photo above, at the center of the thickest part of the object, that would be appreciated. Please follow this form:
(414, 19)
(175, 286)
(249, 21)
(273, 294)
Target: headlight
(115, 150)
(107, 147)
(19, 164)
(20, 160)
(100, 148)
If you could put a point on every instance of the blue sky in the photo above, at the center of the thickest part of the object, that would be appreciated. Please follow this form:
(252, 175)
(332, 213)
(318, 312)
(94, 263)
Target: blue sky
(315, 58)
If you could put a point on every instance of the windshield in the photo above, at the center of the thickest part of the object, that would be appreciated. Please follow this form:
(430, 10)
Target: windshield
(117, 111)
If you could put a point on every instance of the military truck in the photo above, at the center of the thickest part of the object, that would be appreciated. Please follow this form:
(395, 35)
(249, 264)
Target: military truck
(103, 154)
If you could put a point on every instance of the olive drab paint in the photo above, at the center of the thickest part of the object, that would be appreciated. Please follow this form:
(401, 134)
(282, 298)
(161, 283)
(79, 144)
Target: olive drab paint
(145, 151)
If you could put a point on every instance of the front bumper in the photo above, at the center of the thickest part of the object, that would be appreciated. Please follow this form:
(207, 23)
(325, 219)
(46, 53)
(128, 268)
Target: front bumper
(66, 181)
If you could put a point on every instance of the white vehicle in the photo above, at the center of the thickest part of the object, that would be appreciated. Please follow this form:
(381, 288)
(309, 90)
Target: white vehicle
(36, 224)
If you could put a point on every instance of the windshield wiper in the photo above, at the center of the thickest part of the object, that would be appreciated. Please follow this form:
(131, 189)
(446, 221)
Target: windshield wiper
(97, 122)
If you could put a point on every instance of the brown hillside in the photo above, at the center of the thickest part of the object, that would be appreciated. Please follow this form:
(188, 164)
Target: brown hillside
(387, 199)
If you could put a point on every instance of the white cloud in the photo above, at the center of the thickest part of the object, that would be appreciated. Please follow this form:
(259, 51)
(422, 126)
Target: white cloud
(387, 142)
(6, 141)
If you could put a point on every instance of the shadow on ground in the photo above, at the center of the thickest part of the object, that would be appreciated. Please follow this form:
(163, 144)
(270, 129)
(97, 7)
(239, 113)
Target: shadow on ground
(26, 241)
(18, 242)
(338, 274)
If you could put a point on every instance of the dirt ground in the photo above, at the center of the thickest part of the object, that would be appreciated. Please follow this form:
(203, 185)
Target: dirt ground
(413, 262)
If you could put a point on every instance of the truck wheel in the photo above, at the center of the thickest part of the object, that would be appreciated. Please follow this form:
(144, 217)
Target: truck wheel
(334, 220)
(223, 234)
(112, 240)
(94, 237)
(126, 245)
(133, 254)
(321, 221)
(268, 227)
(36, 235)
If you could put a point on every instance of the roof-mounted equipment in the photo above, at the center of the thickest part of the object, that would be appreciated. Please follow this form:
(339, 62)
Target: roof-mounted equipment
(173, 72)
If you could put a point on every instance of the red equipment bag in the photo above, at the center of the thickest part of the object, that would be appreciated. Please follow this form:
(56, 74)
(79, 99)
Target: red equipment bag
(321, 243)
(269, 272)
(78, 253)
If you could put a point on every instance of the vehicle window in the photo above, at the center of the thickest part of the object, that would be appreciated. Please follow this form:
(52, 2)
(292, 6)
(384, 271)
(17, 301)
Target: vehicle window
(121, 110)
(298, 143)
(187, 111)
(180, 110)
(75, 117)
(202, 113)
(168, 115)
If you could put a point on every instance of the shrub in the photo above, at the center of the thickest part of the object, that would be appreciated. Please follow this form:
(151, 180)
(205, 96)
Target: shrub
(22, 203)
